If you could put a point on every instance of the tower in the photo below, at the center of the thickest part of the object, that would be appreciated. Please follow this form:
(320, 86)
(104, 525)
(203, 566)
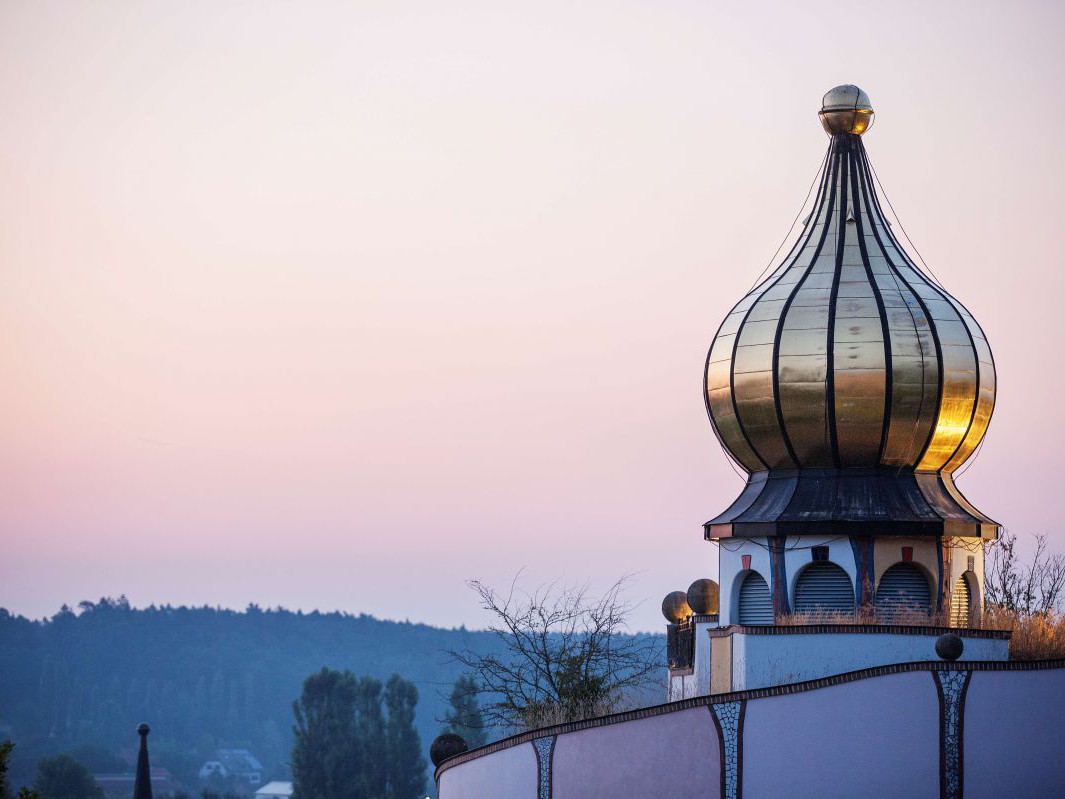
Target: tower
(849, 386)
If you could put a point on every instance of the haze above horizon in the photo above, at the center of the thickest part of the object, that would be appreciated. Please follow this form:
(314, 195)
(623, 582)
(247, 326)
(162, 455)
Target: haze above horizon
(337, 306)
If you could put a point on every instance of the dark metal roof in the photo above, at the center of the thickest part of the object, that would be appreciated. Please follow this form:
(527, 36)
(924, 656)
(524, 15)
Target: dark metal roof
(871, 501)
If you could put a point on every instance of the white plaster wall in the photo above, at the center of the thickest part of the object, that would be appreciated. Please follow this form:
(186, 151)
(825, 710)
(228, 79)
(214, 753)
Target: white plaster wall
(763, 660)
(739, 662)
(1014, 725)
(701, 678)
(795, 560)
(876, 737)
(508, 772)
(675, 755)
(731, 565)
(684, 686)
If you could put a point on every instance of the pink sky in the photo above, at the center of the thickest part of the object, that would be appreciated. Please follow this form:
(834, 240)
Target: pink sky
(336, 305)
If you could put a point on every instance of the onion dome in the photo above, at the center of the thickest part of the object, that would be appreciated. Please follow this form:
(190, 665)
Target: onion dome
(848, 384)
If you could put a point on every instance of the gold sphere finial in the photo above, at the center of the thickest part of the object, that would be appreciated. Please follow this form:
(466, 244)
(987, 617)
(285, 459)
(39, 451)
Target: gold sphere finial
(846, 109)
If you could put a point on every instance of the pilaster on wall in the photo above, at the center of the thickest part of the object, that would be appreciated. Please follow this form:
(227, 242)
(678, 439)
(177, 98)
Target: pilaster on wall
(720, 664)
(863, 564)
(946, 552)
(779, 577)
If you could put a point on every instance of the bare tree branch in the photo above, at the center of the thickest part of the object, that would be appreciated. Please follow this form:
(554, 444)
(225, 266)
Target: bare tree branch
(566, 655)
(1032, 589)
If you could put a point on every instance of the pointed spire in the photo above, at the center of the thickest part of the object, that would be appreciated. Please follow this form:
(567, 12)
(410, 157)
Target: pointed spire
(142, 787)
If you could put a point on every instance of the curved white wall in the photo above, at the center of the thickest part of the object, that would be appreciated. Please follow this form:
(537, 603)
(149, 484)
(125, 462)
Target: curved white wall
(870, 738)
(612, 762)
(508, 772)
(880, 733)
(1014, 724)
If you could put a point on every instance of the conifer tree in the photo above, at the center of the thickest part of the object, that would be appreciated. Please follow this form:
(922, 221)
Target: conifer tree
(405, 764)
(464, 717)
(326, 759)
(370, 733)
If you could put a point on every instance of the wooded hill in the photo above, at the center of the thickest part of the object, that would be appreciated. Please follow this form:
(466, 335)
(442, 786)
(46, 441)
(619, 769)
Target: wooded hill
(203, 678)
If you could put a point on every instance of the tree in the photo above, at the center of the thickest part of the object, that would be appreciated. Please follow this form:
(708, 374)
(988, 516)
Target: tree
(5, 789)
(326, 759)
(566, 655)
(405, 764)
(345, 748)
(1029, 589)
(370, 734)
(464, 717)
(63, 777)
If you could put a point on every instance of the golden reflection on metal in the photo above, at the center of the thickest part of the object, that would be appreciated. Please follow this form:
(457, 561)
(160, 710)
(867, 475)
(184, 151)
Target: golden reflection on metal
(799, 374)
(856, 121)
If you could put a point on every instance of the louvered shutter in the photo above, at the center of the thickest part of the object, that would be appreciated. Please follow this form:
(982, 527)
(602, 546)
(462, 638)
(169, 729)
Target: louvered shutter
(903, 589)
(756, 603)
(824, 587)
(960, 606)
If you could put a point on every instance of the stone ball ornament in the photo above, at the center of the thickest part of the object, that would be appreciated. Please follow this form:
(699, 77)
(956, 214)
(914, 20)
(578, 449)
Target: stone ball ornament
(675, 607)
(949, 646)
(703, 597)
(446, 745)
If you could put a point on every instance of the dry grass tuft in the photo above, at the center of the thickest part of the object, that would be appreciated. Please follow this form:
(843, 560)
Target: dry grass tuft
(1038, 636)
(870, 615)
(547, 714)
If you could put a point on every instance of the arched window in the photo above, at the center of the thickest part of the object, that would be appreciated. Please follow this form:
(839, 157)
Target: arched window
(903, 591)
(824, 587)
(961, 603)
(756, 603)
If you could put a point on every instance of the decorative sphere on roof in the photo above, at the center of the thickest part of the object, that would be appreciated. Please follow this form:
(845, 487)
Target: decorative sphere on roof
(446, 745)
(846, 109)
(703, 597)
(675, 607)
(143, 729)
(949, 646)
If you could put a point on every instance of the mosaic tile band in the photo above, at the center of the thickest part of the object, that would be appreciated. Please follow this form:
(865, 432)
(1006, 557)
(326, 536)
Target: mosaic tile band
(951, 687)
(728, 717)
(544, 749)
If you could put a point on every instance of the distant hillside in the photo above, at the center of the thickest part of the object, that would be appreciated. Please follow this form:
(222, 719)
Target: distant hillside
(202, 677)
